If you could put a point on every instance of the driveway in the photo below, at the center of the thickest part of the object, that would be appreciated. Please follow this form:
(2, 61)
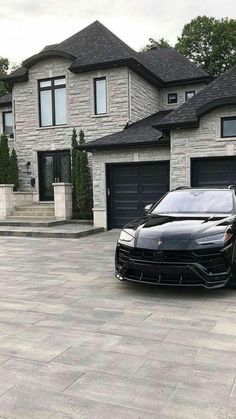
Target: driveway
(76, 343)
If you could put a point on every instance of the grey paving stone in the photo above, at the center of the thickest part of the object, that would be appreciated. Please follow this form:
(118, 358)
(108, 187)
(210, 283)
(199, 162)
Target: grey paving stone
(127, 392)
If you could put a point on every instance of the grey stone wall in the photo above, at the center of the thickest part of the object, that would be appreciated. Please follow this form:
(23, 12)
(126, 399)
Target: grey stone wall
(204, 141)
(31, 138)
(101, 158)
(145, 97)
(180, 90)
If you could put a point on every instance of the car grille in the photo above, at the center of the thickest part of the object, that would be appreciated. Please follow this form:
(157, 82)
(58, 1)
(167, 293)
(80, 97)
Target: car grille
(212, 261)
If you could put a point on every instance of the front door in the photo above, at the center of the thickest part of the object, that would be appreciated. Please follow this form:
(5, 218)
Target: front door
(54, 166)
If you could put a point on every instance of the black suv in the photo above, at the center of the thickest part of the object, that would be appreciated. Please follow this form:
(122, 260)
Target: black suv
(187, 238)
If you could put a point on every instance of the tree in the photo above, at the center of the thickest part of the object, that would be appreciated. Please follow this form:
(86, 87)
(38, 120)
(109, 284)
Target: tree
(83, 183)
(4, 160)
(4, 65)
(13, 170)
(74, 147)
(210, 43)
(162, 43)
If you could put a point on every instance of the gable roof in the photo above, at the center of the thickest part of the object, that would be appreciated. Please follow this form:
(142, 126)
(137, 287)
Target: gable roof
(140, 133)
(97, 47)
(220, 92)
(6, 100)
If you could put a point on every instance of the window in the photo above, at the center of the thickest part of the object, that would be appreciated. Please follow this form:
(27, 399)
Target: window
(228, 127)
(52, 102)
(172, 98)
(189, 94)
(100, 96)
(7, 123)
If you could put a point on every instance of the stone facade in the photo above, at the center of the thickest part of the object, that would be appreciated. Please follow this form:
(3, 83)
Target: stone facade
(101, 158)
(180, 90)
(31, 138)
(145, 98)
(204, 141)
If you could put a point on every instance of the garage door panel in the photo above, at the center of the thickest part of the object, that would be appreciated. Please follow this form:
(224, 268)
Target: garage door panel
(214, 172)
(132, 187)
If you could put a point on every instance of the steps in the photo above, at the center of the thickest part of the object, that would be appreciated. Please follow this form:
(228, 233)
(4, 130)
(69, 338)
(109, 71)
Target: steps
(40, 212)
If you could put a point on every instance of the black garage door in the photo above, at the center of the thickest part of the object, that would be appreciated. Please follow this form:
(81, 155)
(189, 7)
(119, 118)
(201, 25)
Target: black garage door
(214, 172)
(131, 187)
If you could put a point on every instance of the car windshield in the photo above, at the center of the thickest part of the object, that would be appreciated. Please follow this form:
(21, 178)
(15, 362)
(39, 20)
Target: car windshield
(194, 201)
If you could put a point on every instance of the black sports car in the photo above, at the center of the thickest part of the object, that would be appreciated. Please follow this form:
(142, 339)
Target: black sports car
(187, 238)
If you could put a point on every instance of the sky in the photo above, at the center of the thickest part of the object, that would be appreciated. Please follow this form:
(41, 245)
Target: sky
(26, 26)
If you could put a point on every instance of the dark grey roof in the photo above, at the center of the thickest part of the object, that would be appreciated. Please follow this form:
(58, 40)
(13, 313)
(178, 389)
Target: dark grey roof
(6, 100)
(171, 66)
(97, 47)
(140, 133)
(220, 92)
(21, 74)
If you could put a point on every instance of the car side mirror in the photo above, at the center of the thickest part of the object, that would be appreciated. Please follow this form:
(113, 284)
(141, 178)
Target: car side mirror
(147, 208)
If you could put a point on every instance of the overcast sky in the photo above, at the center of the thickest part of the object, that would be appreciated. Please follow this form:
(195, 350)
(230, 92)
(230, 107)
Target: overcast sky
(26, 26)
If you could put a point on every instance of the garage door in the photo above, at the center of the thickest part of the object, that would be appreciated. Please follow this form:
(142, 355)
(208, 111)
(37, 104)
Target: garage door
(131, 187)
(214, 172)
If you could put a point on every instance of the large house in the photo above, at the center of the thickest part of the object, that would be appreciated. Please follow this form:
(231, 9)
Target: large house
(151, 121)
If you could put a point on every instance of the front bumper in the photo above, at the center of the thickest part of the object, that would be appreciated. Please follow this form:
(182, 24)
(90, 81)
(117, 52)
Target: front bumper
(210, 268)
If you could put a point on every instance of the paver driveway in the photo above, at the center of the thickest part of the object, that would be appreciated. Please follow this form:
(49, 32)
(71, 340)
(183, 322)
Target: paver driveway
(76, 343)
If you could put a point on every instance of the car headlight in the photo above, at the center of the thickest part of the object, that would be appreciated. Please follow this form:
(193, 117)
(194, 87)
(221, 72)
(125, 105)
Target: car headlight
(125, 237)
(214, 238)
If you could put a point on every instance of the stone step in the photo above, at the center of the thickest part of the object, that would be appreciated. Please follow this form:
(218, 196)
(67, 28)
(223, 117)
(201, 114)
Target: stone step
(33, 213)
(61, 233)
(35, 207)
(29, 216)
(39, 222)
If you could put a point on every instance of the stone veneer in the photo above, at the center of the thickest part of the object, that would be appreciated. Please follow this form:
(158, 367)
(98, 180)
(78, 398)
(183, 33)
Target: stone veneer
(204, 141)
(30, 138)
(145, 98)
(101, 158)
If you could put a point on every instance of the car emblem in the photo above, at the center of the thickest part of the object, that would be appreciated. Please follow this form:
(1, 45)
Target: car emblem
(158, 243)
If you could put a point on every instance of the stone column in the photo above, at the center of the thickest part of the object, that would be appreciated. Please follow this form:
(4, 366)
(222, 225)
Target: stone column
(6, 200)
(62, 201)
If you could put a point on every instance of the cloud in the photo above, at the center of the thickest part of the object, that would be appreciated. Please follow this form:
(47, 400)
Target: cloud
(31, 24)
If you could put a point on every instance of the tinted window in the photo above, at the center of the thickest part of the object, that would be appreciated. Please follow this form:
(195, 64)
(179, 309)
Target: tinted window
(100, 96)
(52, 95)
(228, 127)
(7, 123)
(172, 98)
(196, 201)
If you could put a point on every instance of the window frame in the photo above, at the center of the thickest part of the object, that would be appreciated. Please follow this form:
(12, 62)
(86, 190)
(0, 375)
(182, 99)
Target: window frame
(189, 91)
(95, 95)
(4, 123)
(51, 88)
(171, 94)
(223, 119)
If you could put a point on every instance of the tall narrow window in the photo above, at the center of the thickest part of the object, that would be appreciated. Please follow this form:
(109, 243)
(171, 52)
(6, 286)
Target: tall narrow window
(7, 123)
(52, 102)
(100, 96)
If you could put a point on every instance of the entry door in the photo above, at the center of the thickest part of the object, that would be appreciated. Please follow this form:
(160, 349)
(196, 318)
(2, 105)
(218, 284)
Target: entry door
(131, 187)
(54, 167)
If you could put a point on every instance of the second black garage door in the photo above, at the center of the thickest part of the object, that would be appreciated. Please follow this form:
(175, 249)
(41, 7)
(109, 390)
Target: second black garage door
(131, 187)
(213, 172)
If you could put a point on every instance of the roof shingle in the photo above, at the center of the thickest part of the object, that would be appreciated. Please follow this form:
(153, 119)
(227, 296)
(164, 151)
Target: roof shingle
(221, 91)
(140, 133)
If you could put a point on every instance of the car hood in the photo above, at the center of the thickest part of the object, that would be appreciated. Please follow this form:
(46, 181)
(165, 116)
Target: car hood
(174, 232)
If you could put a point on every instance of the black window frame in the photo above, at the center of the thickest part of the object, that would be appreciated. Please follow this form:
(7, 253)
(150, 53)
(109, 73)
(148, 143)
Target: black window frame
(223, 119)
(176, 97)
(189, 91)
(95, 94)
(4, 123)
(52, 88)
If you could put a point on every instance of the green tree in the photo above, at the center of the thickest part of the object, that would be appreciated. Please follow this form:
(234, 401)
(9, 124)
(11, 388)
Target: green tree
(13, 170)
(162, 43)
(74, 148)
(210, 43)
(4, 66)
(84, 198)
(4, 160)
